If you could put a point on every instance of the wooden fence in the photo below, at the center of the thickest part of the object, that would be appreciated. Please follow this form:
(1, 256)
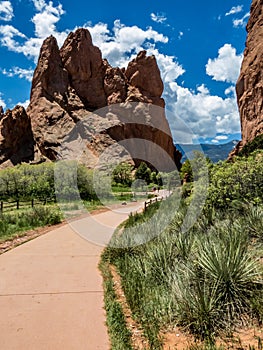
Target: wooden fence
(151, 201)
(22, 204)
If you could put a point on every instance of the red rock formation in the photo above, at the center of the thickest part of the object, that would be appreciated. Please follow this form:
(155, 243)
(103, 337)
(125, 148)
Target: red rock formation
(85, 67)
(144, 74)
(71, 83)
(16, 138)
(249, 86)
(1, 112)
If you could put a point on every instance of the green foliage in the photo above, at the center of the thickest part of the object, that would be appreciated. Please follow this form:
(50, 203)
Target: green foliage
(120, 336)
(20, 221)
(143, 172)
(85, 183)
(195, 168)
(169, 180)
(186, 171)
(142, 217)
(37, 181)
(240, 181)
(27, 181)
(122, 174)
(250, 147)
(207, 280)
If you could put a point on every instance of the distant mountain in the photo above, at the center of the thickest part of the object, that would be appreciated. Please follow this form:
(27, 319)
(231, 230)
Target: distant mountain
(214, 152)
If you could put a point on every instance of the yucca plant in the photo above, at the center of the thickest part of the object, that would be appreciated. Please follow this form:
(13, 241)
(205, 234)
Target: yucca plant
(229, 264)
(253, 221)
(183, 245)
(196, 303)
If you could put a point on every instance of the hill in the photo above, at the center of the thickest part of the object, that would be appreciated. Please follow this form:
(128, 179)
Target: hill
(213, 152)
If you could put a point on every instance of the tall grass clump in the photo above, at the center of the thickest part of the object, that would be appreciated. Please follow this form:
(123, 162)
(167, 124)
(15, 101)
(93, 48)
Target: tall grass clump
(216, 291)
(15, 222)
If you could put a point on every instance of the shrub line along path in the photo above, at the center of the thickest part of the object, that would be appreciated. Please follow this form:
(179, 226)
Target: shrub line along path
(51, 294)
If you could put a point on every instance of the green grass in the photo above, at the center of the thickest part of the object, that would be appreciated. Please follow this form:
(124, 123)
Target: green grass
(208, 281)
(20, 221)
(120, 336)
(121, 189)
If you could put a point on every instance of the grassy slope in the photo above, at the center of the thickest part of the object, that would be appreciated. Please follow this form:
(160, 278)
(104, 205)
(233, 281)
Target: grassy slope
(208, 281)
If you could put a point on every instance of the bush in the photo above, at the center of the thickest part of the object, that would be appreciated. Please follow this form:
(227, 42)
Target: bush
(239, 181)
(250, 147)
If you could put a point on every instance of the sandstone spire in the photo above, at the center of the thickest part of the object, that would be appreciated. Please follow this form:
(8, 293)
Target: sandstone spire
(71, 83)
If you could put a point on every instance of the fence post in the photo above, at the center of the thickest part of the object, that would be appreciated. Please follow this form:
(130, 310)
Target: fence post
(32, 202)
(17, 204)
(2, 206)
(145, 206)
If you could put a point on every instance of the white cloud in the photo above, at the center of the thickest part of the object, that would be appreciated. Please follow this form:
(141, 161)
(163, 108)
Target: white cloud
(99, 32)
(234, 10)
(46, 19)
(9, 36)
(22, 73)
(39, 4)
(221, 137)
(181, 34)
(226, 66)
(2, 102)
(24, 104)
(6, 11)
(242, 21)
(202, 89)
(231, 90)
(204, 114)
(159, 18)
(124, 42)
(170, 69)
(45, 24)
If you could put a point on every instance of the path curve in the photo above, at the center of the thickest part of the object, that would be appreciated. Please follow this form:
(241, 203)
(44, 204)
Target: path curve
(51, 295)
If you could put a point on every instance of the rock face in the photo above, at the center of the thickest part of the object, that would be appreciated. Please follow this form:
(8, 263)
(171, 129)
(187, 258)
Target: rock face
(16, 138)
(249, 86)
(74, 95)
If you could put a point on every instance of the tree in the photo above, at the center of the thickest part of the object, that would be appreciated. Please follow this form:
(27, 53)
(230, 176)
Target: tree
(186, 171)
(143, 172)
(154, 178)
(122, 174)
(196, 168)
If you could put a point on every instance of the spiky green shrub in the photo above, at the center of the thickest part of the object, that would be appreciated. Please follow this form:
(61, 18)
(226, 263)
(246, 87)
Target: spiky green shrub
(227, 262)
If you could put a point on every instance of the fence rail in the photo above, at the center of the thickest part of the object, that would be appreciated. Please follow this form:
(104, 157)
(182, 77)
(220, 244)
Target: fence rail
(20, 204)
(151, 201)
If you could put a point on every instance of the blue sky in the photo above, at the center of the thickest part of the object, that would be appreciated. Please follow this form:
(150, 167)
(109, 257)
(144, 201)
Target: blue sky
(198, 46)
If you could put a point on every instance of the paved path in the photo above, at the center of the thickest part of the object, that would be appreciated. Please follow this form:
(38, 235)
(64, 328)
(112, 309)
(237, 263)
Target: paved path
(51, 295)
